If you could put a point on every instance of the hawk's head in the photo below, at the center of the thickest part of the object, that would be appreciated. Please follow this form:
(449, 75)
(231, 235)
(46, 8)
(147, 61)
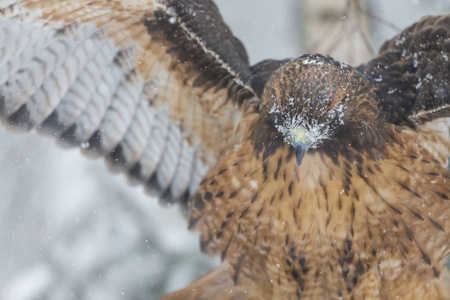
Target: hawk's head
(315, 102)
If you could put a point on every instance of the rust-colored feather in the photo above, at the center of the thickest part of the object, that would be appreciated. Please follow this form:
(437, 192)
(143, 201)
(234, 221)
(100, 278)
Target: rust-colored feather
(364, 216)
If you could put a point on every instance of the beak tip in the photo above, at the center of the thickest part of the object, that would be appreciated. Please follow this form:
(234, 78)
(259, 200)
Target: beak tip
(300, 151)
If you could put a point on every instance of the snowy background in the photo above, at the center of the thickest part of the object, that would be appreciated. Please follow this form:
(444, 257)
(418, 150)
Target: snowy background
(71, 230)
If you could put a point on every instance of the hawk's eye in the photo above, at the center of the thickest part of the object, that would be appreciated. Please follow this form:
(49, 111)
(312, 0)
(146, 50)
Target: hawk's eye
(302, 135)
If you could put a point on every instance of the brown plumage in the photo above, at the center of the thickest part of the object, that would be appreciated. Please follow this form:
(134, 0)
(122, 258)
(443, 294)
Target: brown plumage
(365, 212)
(319, 180)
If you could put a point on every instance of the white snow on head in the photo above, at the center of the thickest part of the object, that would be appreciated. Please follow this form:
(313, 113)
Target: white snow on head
(311, 61)
(318, 131)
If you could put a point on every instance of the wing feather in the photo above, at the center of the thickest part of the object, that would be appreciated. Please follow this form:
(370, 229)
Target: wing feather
(155, 145)
(170, 159)
(133, 144)
(412, 72)
(118, 117)
(183, 175)
(77, 97)
(146, 84)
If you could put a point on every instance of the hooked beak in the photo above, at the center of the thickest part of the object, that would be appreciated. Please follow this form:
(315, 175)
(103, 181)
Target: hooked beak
(300, 150)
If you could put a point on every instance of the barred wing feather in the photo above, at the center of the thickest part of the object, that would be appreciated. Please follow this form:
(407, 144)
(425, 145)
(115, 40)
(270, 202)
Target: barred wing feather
(156, 87)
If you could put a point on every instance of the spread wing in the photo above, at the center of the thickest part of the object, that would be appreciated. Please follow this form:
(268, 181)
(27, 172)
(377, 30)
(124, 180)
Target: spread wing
(412, 72)
(156, 87)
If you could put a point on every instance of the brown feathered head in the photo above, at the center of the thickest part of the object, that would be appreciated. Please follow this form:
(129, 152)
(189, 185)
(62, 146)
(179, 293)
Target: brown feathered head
(315, 102)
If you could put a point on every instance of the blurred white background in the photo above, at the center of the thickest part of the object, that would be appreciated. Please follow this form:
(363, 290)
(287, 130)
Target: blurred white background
(71, 230)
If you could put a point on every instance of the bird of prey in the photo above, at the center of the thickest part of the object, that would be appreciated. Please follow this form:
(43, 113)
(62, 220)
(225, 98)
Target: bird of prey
(311, 179)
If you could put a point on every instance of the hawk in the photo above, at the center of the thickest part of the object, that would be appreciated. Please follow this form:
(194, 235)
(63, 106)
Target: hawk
(308, 177)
